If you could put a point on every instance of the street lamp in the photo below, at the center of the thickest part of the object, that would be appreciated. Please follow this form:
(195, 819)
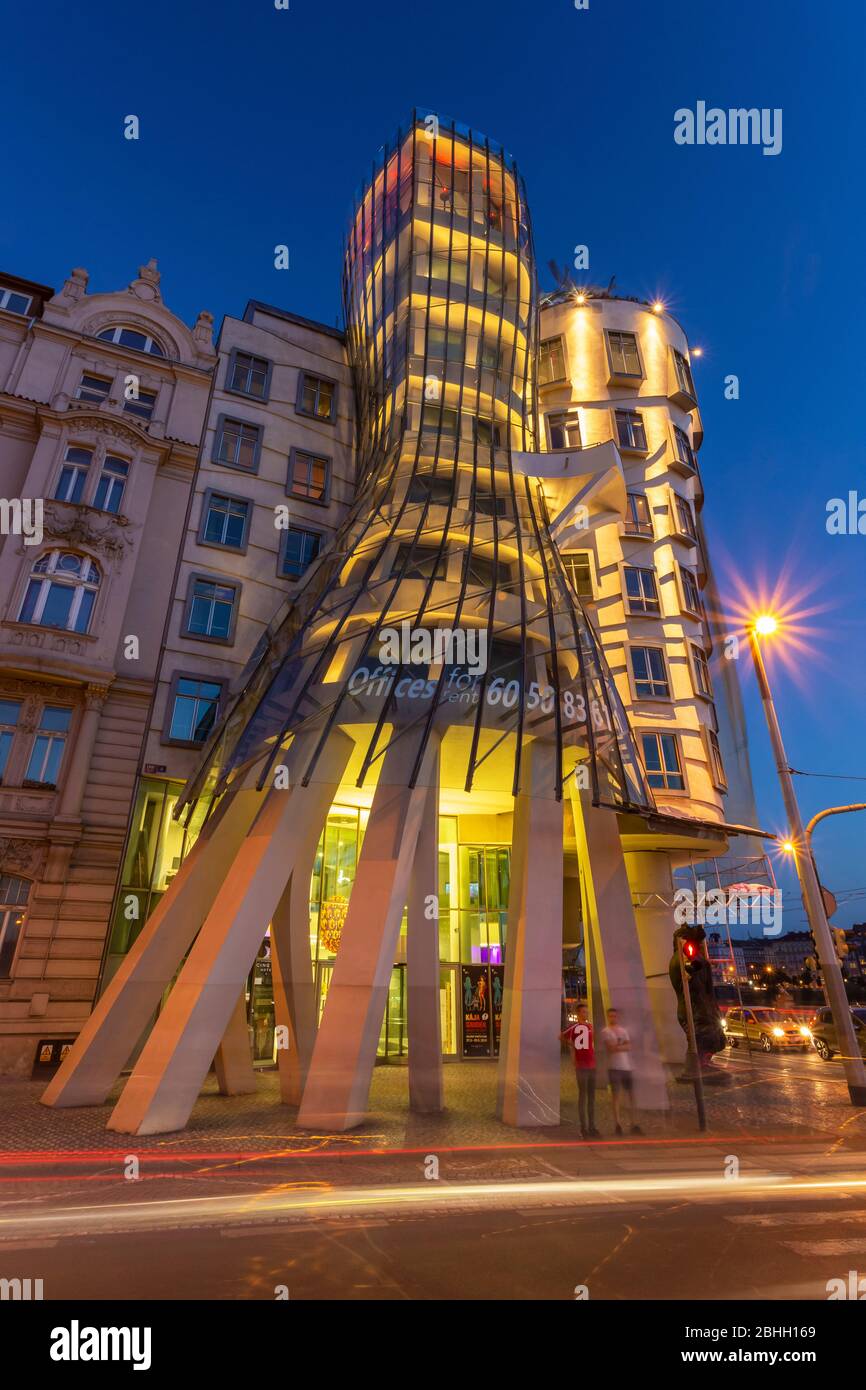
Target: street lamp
(764, 625)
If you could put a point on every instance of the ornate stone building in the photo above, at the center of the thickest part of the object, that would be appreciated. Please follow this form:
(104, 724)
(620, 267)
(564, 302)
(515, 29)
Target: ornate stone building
(102, 401)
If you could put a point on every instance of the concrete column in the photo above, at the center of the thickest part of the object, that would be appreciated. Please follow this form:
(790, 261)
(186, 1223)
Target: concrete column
(81, 753)
(616, 966)
(174, 1062)
(426, 1094)
(294, 985)
(233, 1062)
(335, 1096)
(651, 884)
(528, 1080)
(121, 1014)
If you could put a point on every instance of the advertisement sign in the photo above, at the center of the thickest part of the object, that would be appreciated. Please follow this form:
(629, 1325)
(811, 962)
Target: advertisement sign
(476, 1007)
(497, 990)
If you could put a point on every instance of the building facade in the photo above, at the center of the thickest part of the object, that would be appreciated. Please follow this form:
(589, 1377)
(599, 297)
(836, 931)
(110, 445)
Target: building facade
(102, 402)
(406, 834)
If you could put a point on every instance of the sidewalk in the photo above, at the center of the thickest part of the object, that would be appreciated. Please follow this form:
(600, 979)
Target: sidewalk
(756, 1107)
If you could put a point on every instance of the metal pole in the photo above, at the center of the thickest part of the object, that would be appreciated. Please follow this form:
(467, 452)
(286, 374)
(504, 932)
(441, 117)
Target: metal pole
(837, 999)
(698, 1079)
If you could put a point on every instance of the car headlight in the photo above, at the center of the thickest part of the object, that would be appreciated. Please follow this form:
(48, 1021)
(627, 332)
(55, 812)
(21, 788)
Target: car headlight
(778, 1032)
(805, 1032)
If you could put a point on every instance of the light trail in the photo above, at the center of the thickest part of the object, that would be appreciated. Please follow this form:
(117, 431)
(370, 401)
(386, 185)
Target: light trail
(254, 1208)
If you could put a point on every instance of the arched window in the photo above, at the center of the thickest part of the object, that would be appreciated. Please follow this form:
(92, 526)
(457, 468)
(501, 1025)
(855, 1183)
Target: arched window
(131, 338)
(61, 592)
(14, 893)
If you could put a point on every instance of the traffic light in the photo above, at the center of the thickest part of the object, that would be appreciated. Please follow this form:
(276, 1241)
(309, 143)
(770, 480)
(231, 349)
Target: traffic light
(840, 943)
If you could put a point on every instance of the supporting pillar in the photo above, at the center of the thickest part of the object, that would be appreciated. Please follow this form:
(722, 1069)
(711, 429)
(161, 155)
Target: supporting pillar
(294, 985)
(651, 883)
(528, 1080)
(233, 1062)
(122, 1013)
(426, 1094)
(338, 1084)
(616, 966)
(169, 1073)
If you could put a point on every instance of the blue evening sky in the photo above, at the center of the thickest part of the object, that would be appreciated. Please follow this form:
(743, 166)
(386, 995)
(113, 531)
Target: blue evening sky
(258, 124)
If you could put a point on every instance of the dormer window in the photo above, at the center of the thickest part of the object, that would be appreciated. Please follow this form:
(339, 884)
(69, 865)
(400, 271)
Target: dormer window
(131, 338)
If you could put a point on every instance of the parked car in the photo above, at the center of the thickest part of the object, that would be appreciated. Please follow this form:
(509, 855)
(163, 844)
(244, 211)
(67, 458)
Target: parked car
(825, 1039)
(770, 1029)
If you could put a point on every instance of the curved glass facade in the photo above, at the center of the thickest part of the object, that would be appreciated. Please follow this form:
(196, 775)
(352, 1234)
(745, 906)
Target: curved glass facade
(447, 541)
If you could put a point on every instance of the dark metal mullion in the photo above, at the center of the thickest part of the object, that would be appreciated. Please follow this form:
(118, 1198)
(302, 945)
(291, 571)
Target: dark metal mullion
(578, 647)
(458, 610)
(485, 674)
(391, 696)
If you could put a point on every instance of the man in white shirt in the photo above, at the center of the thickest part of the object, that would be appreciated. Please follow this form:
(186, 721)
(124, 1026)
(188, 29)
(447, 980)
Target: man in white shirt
(617, 1044)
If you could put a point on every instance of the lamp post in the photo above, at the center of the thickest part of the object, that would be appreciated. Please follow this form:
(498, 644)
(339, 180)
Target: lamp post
(855, 1072)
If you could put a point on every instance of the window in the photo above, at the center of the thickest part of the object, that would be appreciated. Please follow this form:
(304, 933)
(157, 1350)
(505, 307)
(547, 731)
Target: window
(425, 485)
(551, 362)
(61, 592)
(480, 569)
(701, 671)
(685, 452)
(650, 674)
(488, 505)
(48, 745)
(717, 767)
(14, 302)
(630, 430)
(249, 375)
(661, 756)
(140, 405)
(442, 343)
(578, 566)
(193, 705)
(316, 396)
(425, 562)
(488, 433)
(563, 431)
(436, 421)
(9, 712)
(237, 444)
(438, 268)
(638, 519)
(131, 338)
(300, 550)
(490, 355)
(641, 591)
(224, 521)
(93, 388)
(210, 610)
(309, 475)
(112, 480)
(73, 475)
(684, 374)
(683, 517)
(624, 355)
(691, 592)
(14, 893)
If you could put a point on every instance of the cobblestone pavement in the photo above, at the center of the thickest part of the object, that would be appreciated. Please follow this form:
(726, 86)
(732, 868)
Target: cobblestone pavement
(771, 1099)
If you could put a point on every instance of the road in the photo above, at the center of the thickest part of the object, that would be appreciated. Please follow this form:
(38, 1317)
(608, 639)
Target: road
(654, 1223)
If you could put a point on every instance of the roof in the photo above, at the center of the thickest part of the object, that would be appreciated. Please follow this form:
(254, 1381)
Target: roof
(254, 305)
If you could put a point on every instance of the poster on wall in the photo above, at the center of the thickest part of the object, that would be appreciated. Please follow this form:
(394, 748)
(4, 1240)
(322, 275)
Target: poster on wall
(475, 995)
(497, 989)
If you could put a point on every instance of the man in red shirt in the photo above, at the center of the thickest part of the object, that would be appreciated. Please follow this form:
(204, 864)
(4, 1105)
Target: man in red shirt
(579, 1038)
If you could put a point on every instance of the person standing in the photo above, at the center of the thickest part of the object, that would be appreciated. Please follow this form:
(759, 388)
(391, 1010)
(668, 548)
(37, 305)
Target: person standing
(579, 1037)
(617, 1044)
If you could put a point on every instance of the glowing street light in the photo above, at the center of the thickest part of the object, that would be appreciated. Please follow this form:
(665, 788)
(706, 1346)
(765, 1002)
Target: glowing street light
(762, 626)
(658, 307)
